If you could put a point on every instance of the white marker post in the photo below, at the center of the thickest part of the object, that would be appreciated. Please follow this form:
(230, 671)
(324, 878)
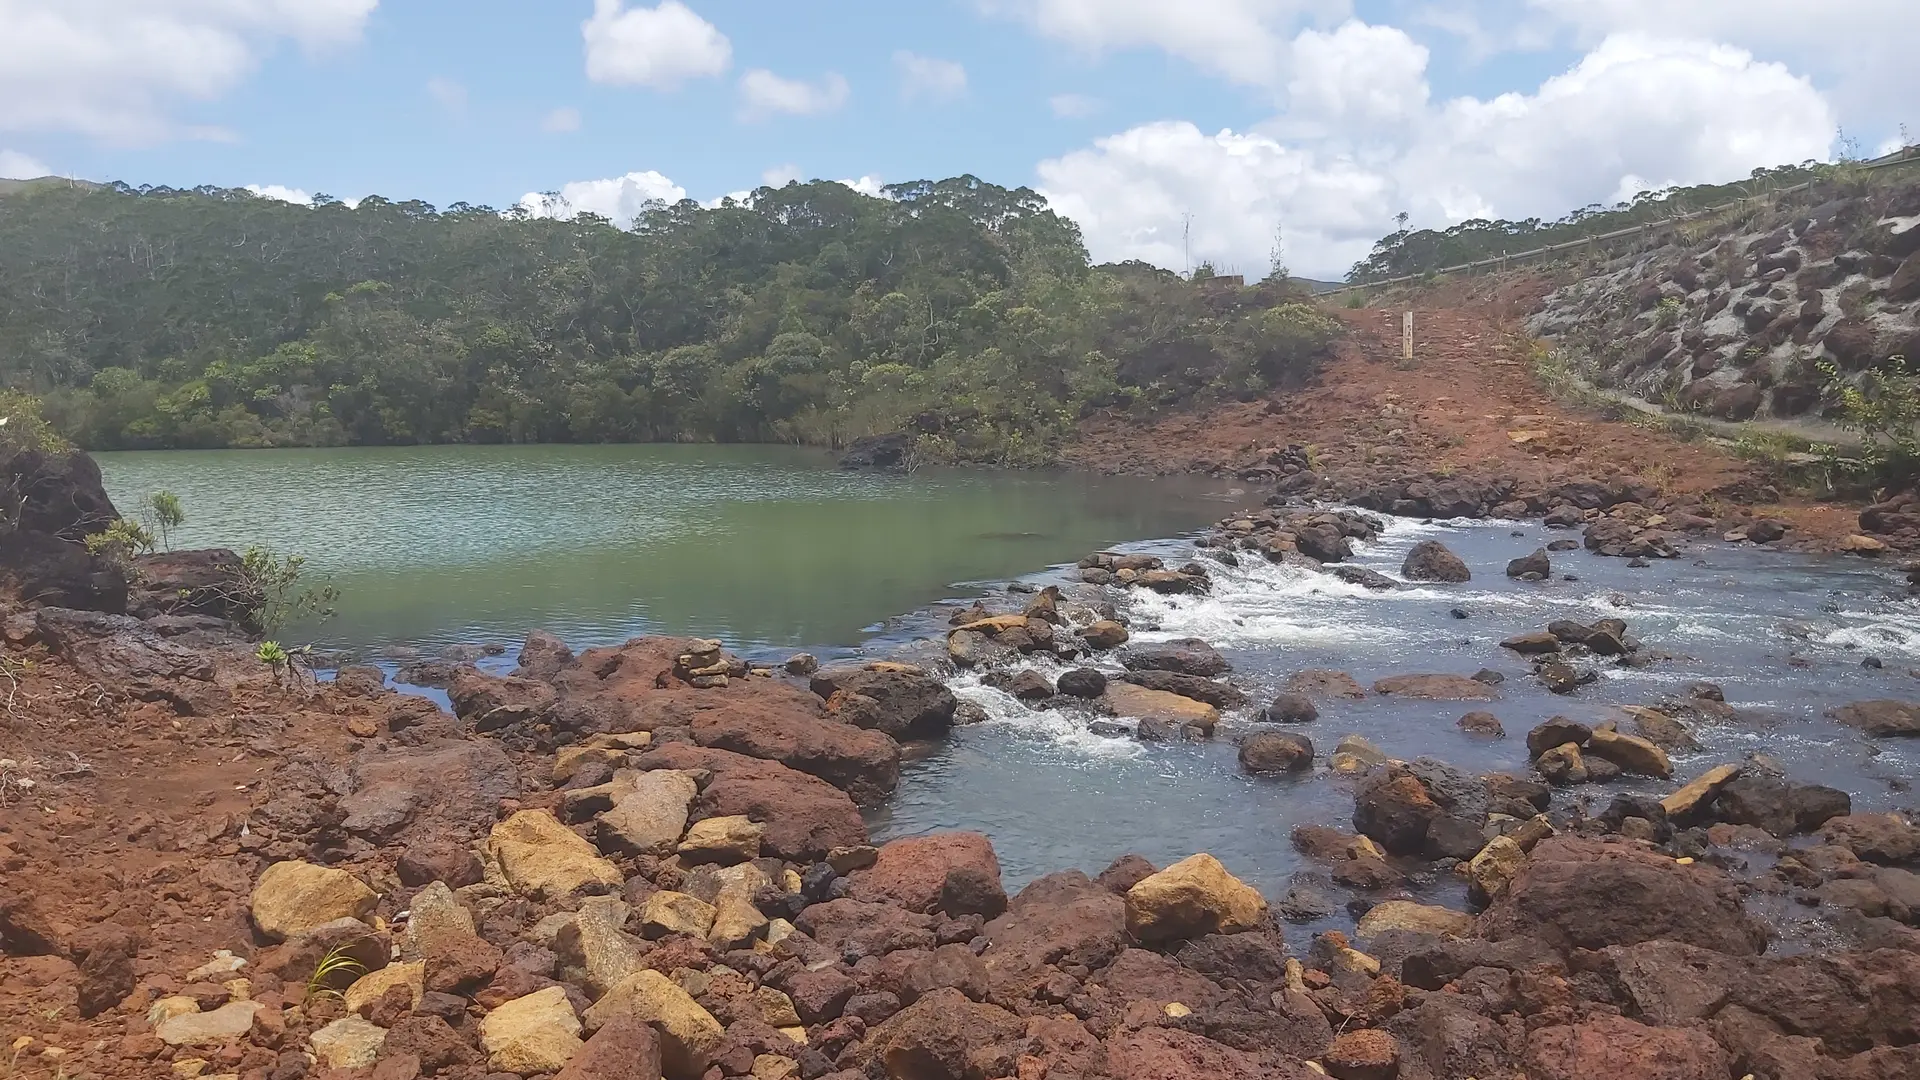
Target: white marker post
(1406, 336)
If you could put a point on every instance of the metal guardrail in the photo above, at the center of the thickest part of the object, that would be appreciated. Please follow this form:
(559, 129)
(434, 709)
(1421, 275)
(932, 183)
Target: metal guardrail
(1909, 155)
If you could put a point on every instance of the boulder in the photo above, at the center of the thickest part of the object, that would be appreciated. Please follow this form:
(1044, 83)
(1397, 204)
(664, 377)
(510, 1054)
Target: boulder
(1688, 803)
(1481, 723)
(1587, 894)
(1366, 1054)
(895, 699)
(725, 840)
(537, 1033)
(1169, 1053)
(1291, 708)
(1140, 703)
(1781, 807)
(955, 873)
(1534, 567)
(787, 728)
(1431, 560)
(542, 656)
(1323, 684)
(804, 816)
(1538, 643)
(1217, 694)
(1193, 897)
(624, 1048)
(944, 1036)
(1554, 732)
(292, 897)
(593, 949)
(1634, 755)
(492, 702)
(1392, 807)
(668, 912)
(1183, 656)
(890, 452)
(1888, 839)
(545, 860)
(1418, 918)
(737, 924)
(1063, 918)
(439, 791)
(1086, 683)
(1494, 868)
(689, 1034)
(367, 990)
(1270, 753)
(650, 817)
(1565, 765)
(1436, 688)
(1104, 634)
(1614, 1046)
(1881, 719)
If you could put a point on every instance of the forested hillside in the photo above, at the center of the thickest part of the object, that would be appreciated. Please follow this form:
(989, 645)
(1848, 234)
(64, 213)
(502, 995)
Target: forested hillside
(811, 313)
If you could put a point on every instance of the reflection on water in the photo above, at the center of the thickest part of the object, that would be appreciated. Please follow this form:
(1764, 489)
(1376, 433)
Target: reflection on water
(759, 546)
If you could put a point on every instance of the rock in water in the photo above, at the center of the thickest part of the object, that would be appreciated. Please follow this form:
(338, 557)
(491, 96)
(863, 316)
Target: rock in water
(1082, 683)
(1436, 688)
(295, 896)
(1633, 754)
(1431, 560)
(1879, 718)
(1184, 656)
(879, 453)
(1140, 703)
(1482, 723)
(1269, 753)
(1534, 567)
(1291, 708)
(1191, 898)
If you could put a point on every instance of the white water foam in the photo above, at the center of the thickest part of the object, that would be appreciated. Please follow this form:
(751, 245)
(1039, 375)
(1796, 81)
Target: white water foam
(1059, 729)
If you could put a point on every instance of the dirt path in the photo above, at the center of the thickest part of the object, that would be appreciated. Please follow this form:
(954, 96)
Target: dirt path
(1470, 402)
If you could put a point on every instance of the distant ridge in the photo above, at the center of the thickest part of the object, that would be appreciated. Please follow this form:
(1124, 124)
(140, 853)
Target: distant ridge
(15, 187)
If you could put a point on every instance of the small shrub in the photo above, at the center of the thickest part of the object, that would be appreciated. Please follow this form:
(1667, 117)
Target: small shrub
(277, 582)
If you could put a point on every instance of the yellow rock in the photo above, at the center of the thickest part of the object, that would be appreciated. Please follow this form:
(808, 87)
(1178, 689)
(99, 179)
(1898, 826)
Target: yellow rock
(169, 1007)
(773, 1008)
(1494, 867)
(992, 625)
(1194, 896)
(348, 1043)
(537, 1033)
(1407, 915)
(774, 1067)
(722, 839)
(544, 859)
(188, 1068)
(1138, 702)
(370, 987)
(1863, 545)
(668, 912)
(1177, 1010)
(295, 896)
(1632, 753)
(1683, 803)
(688, 1033)
(737, 924)
(570, 759)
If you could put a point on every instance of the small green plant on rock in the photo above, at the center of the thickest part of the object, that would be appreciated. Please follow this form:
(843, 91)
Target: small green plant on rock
(278, 584)
(1668, 312)
(120, 542)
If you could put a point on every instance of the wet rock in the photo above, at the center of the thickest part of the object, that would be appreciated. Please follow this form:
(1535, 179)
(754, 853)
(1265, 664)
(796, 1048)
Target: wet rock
(1563, 765)
(689, 1034)
(1192, 897)
(1363, 577)
(1766, 530)
(1660, 729)
(1392, 807)
(1781, 807)
(1104, 634)
(955, 873)
(1184, 656)
(1881, 719)
(890, 452)
(1322, 684)
(1435, 688)
(1539, 643)
(1451, 836)
(1688, 804)
(1559, 677)
(1634, 755)
(1430, 560)
(1555, 732)
(1482, 723)
(1887, 839)
(542, 858)
(1578, 893)
(897, 700)
(1268, 754)
(1291, 708)
(536, 1033)
(1354, 754)
(1217, 694)
(1534, 567)
(1082, 683)
(1140, 703)
(292, 897)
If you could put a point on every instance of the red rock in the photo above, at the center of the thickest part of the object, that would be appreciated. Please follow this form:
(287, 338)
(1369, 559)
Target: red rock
(819, 996)
(855, 928)
(902, 702)
(428, 1039)
(916, 872)
(1367, 1054)
(1159, 1053)
(1613, 1046)
(787, 725)
(623, 1049)
(804, 816)
(1392, 806)
(943, 1036)
(1062, 918)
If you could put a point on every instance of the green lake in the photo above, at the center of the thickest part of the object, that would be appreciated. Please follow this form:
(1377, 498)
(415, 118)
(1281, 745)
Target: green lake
(760, 546)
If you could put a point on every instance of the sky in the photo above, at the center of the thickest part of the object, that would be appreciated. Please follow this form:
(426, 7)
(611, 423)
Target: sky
(1174, 131)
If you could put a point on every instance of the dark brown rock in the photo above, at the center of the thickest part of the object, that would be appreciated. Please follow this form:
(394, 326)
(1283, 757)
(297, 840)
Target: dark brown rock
(790, 729)
(1273, 753)
(916, 873)
(900, 701)
(1431, 560)
(943, 1036)
(1393, 807)
(1184, 656)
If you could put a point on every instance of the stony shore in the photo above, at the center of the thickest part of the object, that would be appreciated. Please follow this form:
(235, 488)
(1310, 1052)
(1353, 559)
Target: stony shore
(650, 860)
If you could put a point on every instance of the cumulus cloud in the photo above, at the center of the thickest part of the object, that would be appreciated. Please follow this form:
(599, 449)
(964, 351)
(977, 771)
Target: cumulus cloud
(1358, 75)
(1634, 113)
(619, 198)
(117, 69)
(1242, 40)
(867, 185)
(15, 165)
(659, 47)
(927, 78)
(282, 193)
(561, 120)
(764, 94)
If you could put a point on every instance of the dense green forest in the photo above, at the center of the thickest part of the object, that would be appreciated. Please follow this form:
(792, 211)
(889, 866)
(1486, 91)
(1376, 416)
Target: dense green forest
(967, 312)
(1406, 253)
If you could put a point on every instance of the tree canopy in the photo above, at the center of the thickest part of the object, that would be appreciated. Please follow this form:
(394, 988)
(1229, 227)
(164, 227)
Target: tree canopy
(160, 317)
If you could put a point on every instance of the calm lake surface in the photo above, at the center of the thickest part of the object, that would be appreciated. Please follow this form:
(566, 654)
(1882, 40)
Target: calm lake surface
(763, 547)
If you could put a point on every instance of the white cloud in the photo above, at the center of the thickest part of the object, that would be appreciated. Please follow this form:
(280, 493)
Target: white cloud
(1358, 75)
(1074, 106)
(764, 94)
(1242, 40)
(620, 198)
(450, 95)
(780, 175)
(15, 165)
(867, 185)
(927, 78)
(561, 120)
(282, 193)
(660, 47)
(1633, 113)
(117, 69)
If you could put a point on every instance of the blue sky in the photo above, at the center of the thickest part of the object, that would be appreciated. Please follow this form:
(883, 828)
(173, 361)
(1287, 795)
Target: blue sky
(1323, 118)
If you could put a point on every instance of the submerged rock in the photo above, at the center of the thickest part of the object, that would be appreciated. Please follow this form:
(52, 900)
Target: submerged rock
(1436, 688)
